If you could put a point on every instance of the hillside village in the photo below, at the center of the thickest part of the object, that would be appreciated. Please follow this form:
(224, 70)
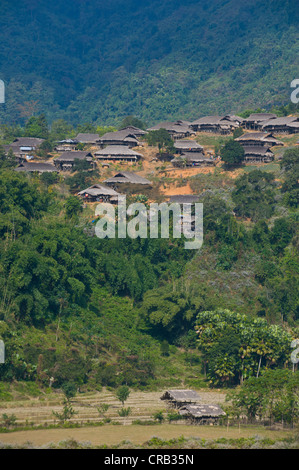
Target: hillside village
(128, 164)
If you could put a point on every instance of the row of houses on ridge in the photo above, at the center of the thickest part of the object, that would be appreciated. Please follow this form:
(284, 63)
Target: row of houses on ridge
(257, 140)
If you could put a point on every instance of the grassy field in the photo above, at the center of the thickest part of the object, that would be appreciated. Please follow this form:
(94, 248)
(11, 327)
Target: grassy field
(38, 411)
(112, 435)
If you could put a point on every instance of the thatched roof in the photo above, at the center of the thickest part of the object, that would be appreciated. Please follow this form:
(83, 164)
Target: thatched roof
(71, 156)
(127, 177)
(174, 127)
(281, 121)
(124, 135)
(294, 124)
(41, 167)
(202, 411)
(133, 130)
(223, 122)
(207, 120)
(259, 117)
(27, 142)
(265, 137)
(187, 144)
(117, 150)
(257, 150)
(196, 157)
(181, 396)
(98, 190)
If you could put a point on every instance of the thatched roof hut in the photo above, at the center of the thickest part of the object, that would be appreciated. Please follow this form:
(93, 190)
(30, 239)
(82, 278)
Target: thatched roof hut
(217, 124)
(256, 120)
(202, 414)
(39, 167)
(124, 177)
(287, 124)
(117, 153)
(123, 137)
(264, 139)
(258, 154)
(177, 129)
(100, 193)
(67, 159)
(193, 159)
(187, 145)
(178, 398)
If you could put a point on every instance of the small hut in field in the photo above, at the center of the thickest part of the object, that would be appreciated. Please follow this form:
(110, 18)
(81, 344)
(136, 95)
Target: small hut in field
(202, 414)
(179, 398)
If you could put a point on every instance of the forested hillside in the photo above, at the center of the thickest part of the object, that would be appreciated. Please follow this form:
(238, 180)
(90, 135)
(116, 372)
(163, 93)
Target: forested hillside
(147, 312)
(100, 61)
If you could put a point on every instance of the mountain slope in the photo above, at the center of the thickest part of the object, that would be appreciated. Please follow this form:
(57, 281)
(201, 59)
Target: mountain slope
(99, 61)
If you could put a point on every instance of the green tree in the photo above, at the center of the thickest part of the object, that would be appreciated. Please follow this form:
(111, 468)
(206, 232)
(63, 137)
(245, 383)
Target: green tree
(238, 132)
(254, 195)
(73, 206)
(158, 416)
(37, 127)
(67, 412)
(290, 188)
(162, 139)
(69, 389)
(60, 130)
(232, 153)
(273, 395)
(122, 393)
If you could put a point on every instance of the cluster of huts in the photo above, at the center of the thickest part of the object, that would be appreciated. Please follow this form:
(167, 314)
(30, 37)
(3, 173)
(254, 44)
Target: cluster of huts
(109, 191)
(120, 146)
(186, 402)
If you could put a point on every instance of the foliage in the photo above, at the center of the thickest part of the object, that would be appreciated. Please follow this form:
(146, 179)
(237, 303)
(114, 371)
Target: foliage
(69, 389)
(159, 416)
(8, 420)
(151, 69)
(122, 393)
(235, 347)
(254, 195)
(124, 412)
(73, 206)
(161, 139)
(290, 187)
(67, 412)
(103, 408)
(274, 395)
(37, 127)
(232, 153)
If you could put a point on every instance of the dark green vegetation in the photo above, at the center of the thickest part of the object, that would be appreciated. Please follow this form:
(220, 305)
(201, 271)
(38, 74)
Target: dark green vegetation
(273, 396)
(232, 154)
(91, 61)
(188, 443)
(93, 313)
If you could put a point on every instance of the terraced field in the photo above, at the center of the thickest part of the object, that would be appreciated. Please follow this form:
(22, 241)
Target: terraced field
(143, 405)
